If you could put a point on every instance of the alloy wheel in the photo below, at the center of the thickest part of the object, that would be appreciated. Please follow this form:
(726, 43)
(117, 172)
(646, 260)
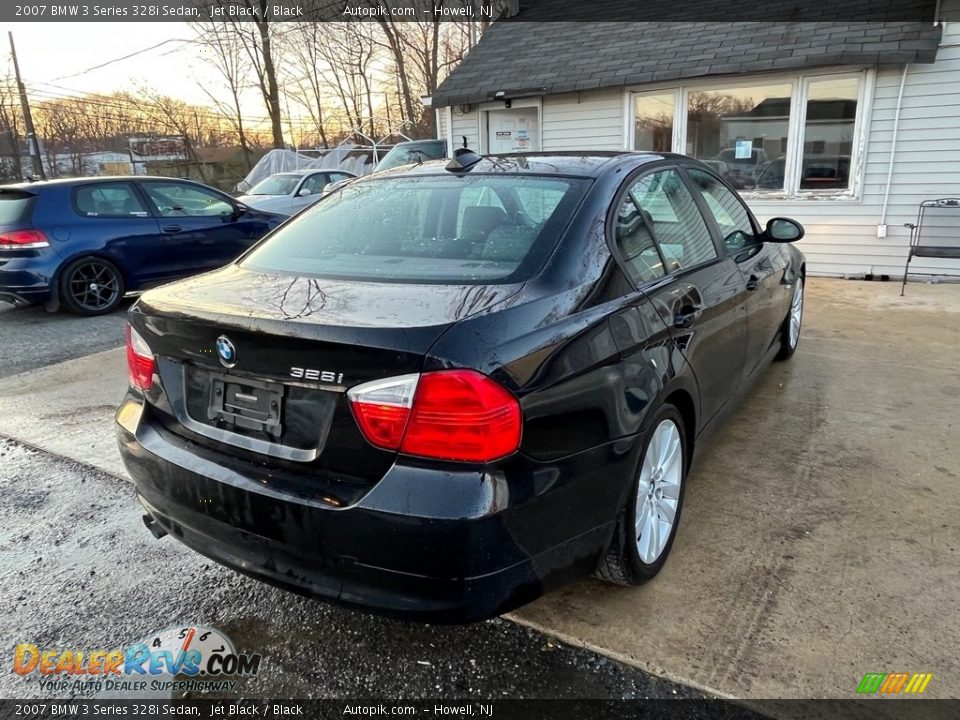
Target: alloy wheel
(94, 285)
(658, 491)
(796, 313)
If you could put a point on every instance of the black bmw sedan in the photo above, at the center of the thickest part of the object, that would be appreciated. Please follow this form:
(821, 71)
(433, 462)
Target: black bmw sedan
(448, 388)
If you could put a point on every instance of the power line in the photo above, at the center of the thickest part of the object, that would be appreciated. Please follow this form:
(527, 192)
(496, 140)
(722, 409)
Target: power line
(125, 57)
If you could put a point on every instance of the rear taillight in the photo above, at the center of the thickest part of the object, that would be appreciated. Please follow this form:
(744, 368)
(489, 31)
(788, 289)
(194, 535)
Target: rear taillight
(446, 415)
(23, 240)
(139, 360)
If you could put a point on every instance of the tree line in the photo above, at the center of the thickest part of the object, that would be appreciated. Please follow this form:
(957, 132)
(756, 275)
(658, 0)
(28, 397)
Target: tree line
(305, 84)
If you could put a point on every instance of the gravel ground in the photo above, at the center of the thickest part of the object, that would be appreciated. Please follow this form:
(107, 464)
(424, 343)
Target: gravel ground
(79, 570)
(30, 337)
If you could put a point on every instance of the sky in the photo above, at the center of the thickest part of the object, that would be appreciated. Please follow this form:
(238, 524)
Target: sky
(55, 59)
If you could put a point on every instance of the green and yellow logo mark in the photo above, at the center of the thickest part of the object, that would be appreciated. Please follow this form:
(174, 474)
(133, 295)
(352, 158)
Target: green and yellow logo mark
(893, 683)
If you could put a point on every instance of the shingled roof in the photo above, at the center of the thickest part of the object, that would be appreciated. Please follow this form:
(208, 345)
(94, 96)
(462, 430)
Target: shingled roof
(527, 59)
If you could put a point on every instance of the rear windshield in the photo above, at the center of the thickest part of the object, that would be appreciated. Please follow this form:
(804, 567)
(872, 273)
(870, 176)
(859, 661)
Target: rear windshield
(412, 154)
(276, 185)
(431, 229)
(15, 206)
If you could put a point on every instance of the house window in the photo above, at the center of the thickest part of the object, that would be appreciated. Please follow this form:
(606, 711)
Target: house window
(739, 130)
(791, 134)
(653, 121)
(828, 133)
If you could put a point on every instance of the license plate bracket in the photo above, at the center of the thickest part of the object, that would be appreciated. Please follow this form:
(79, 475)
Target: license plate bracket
(244, 403)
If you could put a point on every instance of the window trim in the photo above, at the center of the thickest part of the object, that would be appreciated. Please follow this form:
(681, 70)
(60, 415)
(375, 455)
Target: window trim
(800, 82)
(135, 191)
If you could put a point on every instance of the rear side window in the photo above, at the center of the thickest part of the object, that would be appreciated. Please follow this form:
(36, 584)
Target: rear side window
(116, 200)
(634, 240)
(16, 206)
(430, 229)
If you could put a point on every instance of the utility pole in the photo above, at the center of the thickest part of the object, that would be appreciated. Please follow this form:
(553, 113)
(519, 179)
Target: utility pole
(27, 117)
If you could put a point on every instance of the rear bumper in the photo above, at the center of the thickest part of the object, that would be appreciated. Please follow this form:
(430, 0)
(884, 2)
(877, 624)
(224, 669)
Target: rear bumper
(27, 279)
(462, 548)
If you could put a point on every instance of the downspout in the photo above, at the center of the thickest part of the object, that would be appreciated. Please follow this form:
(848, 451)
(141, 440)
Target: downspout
(893, 148)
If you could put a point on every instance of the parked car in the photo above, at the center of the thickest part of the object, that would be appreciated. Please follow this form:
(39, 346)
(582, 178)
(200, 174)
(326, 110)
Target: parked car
(404, 153)
(412, 152)
(447, 389)
(86, 242)
(819, 172)
(741, 172)
(290, 192)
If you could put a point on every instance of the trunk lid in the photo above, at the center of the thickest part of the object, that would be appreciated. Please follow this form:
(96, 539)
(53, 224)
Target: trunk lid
(297, 344)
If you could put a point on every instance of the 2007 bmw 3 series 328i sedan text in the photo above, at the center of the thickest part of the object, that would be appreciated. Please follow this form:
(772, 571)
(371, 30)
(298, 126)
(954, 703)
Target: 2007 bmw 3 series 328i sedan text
(448, 388)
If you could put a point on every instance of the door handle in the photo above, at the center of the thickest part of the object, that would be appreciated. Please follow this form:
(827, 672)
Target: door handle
(684, 319)
(171, 229)
(753, 283)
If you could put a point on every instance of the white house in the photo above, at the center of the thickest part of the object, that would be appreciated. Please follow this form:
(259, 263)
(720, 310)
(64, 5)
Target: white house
(846, 127)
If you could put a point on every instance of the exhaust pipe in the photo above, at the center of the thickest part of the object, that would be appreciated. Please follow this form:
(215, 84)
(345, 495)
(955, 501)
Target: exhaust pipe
(154, 527)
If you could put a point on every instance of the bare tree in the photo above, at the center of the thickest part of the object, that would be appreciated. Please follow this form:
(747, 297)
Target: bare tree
(256, 37)
(307, 75)
(232, 63)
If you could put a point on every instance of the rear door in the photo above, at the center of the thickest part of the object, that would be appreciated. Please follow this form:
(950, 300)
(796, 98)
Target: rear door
(767, 296)
(701, 296)
(201, 227)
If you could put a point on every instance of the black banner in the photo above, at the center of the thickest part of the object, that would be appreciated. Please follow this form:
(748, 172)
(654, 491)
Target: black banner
(477, 709)
(470, 10)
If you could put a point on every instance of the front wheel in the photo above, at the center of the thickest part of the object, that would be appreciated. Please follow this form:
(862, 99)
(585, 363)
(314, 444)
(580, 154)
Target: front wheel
(648, 522)
(91, 286)
(790, 330)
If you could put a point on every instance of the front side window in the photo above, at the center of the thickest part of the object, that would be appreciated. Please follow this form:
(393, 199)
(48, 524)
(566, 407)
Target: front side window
(429, 229)
(738, 131)
(117, 200)
(727, 210)
(181, 200)
(315, 183)
(678, 227)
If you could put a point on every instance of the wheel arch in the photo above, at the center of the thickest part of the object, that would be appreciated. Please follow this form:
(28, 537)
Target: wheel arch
(682, 400)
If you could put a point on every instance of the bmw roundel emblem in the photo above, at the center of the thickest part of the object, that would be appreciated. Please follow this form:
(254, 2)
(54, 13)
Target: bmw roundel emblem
(226, 351)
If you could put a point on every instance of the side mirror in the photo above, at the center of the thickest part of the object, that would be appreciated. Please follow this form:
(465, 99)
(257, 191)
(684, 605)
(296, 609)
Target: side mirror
(784, 230)
(302, 192)
(239, 211)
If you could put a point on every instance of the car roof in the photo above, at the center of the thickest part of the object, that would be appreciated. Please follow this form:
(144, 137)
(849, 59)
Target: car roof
(589, 164)
(309, 171)
(59, 182)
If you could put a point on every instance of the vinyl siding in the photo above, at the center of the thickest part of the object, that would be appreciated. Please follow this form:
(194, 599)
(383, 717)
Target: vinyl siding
(465, 125)
(589, 120)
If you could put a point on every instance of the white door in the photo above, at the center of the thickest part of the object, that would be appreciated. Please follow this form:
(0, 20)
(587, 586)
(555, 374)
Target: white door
(514, 130)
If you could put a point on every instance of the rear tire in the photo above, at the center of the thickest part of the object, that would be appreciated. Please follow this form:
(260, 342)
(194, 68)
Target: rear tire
(647, 523)
(91, 286)
(790, 330)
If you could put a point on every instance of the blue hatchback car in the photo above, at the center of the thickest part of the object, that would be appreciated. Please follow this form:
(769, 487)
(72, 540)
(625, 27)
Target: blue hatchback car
(84, 243)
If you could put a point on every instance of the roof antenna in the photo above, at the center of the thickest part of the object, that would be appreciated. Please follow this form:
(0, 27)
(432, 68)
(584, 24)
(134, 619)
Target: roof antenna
(463, 158)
